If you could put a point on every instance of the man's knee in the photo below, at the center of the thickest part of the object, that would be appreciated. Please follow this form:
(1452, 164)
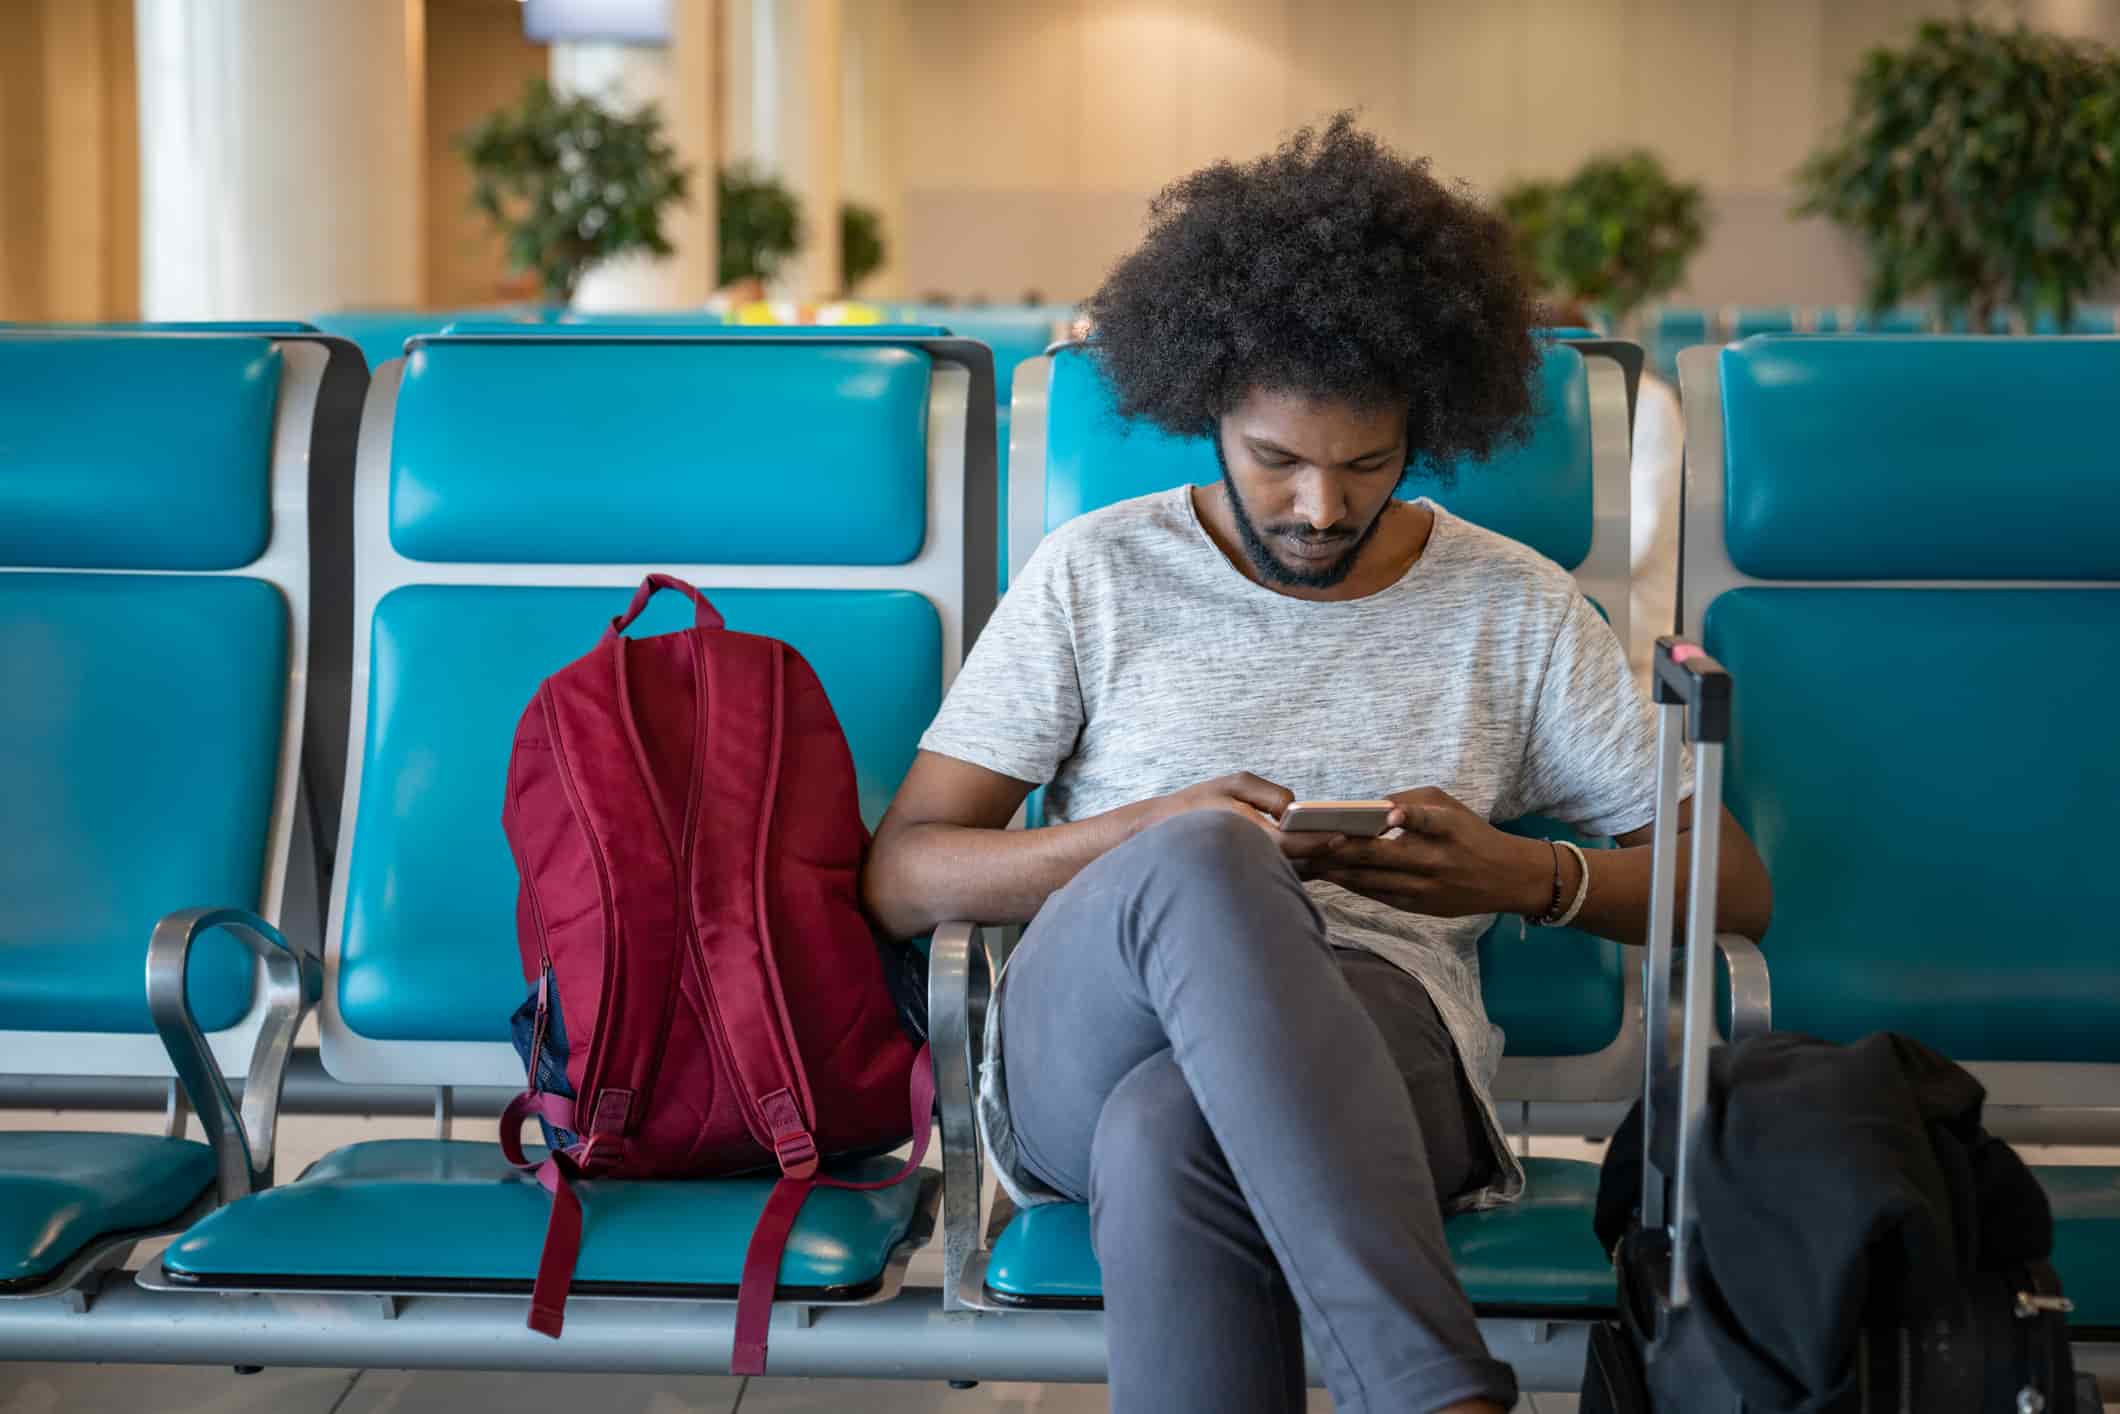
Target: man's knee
(1151, 1142)
(1205, 839)
(1215, 852)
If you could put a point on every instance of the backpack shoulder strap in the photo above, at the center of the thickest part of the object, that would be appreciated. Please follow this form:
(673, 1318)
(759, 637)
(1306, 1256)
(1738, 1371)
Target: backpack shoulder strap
(741, 702)
(769, 1240)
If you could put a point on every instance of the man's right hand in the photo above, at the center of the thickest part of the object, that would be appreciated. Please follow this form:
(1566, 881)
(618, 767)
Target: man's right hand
(1255, 799)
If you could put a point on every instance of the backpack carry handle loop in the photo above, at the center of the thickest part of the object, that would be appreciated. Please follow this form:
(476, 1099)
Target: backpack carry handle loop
(704, 615)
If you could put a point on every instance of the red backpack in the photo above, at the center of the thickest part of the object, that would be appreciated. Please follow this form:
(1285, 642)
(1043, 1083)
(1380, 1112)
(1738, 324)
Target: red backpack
(686, 825)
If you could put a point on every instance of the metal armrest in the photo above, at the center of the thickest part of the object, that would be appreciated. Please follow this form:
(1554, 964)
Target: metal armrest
(1751, 993)
(294, 982)
(960, 980)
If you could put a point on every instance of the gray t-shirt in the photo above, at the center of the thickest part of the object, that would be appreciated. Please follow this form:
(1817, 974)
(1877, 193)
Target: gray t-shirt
(1131, 659)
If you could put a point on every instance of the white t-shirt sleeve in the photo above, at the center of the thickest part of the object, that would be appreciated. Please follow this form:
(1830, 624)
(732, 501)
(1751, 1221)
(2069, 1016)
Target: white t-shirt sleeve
(1016, 706)
(1591, 757)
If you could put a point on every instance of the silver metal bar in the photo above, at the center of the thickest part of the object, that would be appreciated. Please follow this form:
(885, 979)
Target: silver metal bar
(1656, 963)
(242, 1138)
(1751, 990)
(307, 1089)
(176, 1110)
(444, 1111)
(1700, 1000)
(957, 990)
(909, 1338)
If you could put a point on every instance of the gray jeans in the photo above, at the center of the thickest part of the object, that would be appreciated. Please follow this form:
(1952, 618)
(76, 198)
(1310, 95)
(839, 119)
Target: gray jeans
(1264, 1129)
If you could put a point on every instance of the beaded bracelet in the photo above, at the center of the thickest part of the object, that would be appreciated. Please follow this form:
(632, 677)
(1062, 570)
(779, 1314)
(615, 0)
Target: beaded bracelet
(1553, 917)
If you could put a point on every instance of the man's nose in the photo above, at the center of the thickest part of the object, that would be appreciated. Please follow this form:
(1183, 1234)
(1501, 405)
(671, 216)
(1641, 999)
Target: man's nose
(1319, 500)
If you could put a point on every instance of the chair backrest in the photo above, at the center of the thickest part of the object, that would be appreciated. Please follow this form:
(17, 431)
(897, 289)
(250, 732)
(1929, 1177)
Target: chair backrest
(1680, 324)
(1556, 992)
(382, 334)
(690, 323)
(1014, 334)
(2088, 319)
(169, 326)
(1850, 320)
(661, 318)
(1905, 551)
(1744, 321)
(1564, 493)
(511, 493)
(1960, 321)
(154, 608)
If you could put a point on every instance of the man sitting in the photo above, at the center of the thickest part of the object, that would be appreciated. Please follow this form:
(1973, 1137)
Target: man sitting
(1260, 1056)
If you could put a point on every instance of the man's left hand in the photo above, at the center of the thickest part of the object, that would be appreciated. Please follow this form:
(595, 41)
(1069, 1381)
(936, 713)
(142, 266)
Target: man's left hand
(1447, 862)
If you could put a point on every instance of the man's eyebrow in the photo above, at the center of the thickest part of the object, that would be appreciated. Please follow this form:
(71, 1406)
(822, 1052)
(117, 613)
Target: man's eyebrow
(1273, 448)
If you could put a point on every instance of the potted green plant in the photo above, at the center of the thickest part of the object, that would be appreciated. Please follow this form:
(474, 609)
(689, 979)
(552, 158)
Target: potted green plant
(1613, 236)
(761, 224)
(861, 247)
(569, 182)
(1979, 166)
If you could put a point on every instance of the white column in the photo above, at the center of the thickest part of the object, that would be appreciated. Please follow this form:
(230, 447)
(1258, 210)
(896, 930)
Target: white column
(279, 157)
(679, 80)
(784, 93)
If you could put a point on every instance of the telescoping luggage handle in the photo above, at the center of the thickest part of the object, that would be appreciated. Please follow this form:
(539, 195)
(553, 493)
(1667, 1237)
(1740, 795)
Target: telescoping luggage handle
(1692, 694)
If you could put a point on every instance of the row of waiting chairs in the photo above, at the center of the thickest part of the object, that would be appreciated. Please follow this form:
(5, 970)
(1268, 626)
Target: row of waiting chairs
(507, 492)
(1673, 323)
(1672, 328)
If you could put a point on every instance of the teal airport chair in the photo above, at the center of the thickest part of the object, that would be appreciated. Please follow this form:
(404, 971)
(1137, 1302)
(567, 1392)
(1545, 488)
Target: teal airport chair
(382, 334)
(1907, 553)
(1853, 320)
(1746, 320)
(687, 322)
(166, 326)
(1672, 328)
(2087, 319)
(615, 326)
(1960, 321)
(511, 492)
(1016, 334)
(155, 594)
(667, 318)
(1568, 1002)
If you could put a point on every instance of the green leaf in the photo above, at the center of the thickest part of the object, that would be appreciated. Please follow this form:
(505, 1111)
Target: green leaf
(1972, 167)
(568, 182)
(1617, 233)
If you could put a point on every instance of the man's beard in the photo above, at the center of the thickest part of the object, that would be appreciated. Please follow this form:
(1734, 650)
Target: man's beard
(1270, 566)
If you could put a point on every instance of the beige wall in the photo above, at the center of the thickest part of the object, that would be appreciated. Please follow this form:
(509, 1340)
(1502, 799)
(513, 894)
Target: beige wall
(477, 61)
(1031, 132)
(69, 161)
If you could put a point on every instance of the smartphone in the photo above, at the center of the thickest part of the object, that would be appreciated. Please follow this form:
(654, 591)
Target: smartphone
(1365, 819)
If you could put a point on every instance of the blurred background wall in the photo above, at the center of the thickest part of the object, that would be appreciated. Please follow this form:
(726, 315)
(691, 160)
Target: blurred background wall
(1041, 127)
(1009, 145)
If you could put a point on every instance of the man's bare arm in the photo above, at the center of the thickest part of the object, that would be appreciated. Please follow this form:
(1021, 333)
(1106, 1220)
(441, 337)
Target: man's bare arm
(944, 853)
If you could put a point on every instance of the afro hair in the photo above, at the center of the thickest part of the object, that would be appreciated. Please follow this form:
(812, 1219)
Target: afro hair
(1335, 268)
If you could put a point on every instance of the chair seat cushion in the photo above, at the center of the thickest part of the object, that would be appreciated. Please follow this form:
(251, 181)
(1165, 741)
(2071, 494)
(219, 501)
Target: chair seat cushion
(60, 1192)
(1538, 1254)
(451, 1215)
(2086, 1200)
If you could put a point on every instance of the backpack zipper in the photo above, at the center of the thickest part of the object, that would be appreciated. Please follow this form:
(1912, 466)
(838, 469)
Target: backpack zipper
(592, 1065)
(545, 979)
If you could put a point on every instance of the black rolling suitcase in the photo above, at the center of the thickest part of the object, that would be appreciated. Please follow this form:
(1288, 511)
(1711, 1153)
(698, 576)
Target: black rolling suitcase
(2010, 1353)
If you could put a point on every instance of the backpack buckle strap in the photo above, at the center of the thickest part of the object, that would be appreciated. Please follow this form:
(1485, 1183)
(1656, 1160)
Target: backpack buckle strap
(557, 1109)
(793, 1145)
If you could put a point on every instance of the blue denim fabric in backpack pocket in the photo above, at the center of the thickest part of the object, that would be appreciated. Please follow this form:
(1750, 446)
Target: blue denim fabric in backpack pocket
(548, 1070)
